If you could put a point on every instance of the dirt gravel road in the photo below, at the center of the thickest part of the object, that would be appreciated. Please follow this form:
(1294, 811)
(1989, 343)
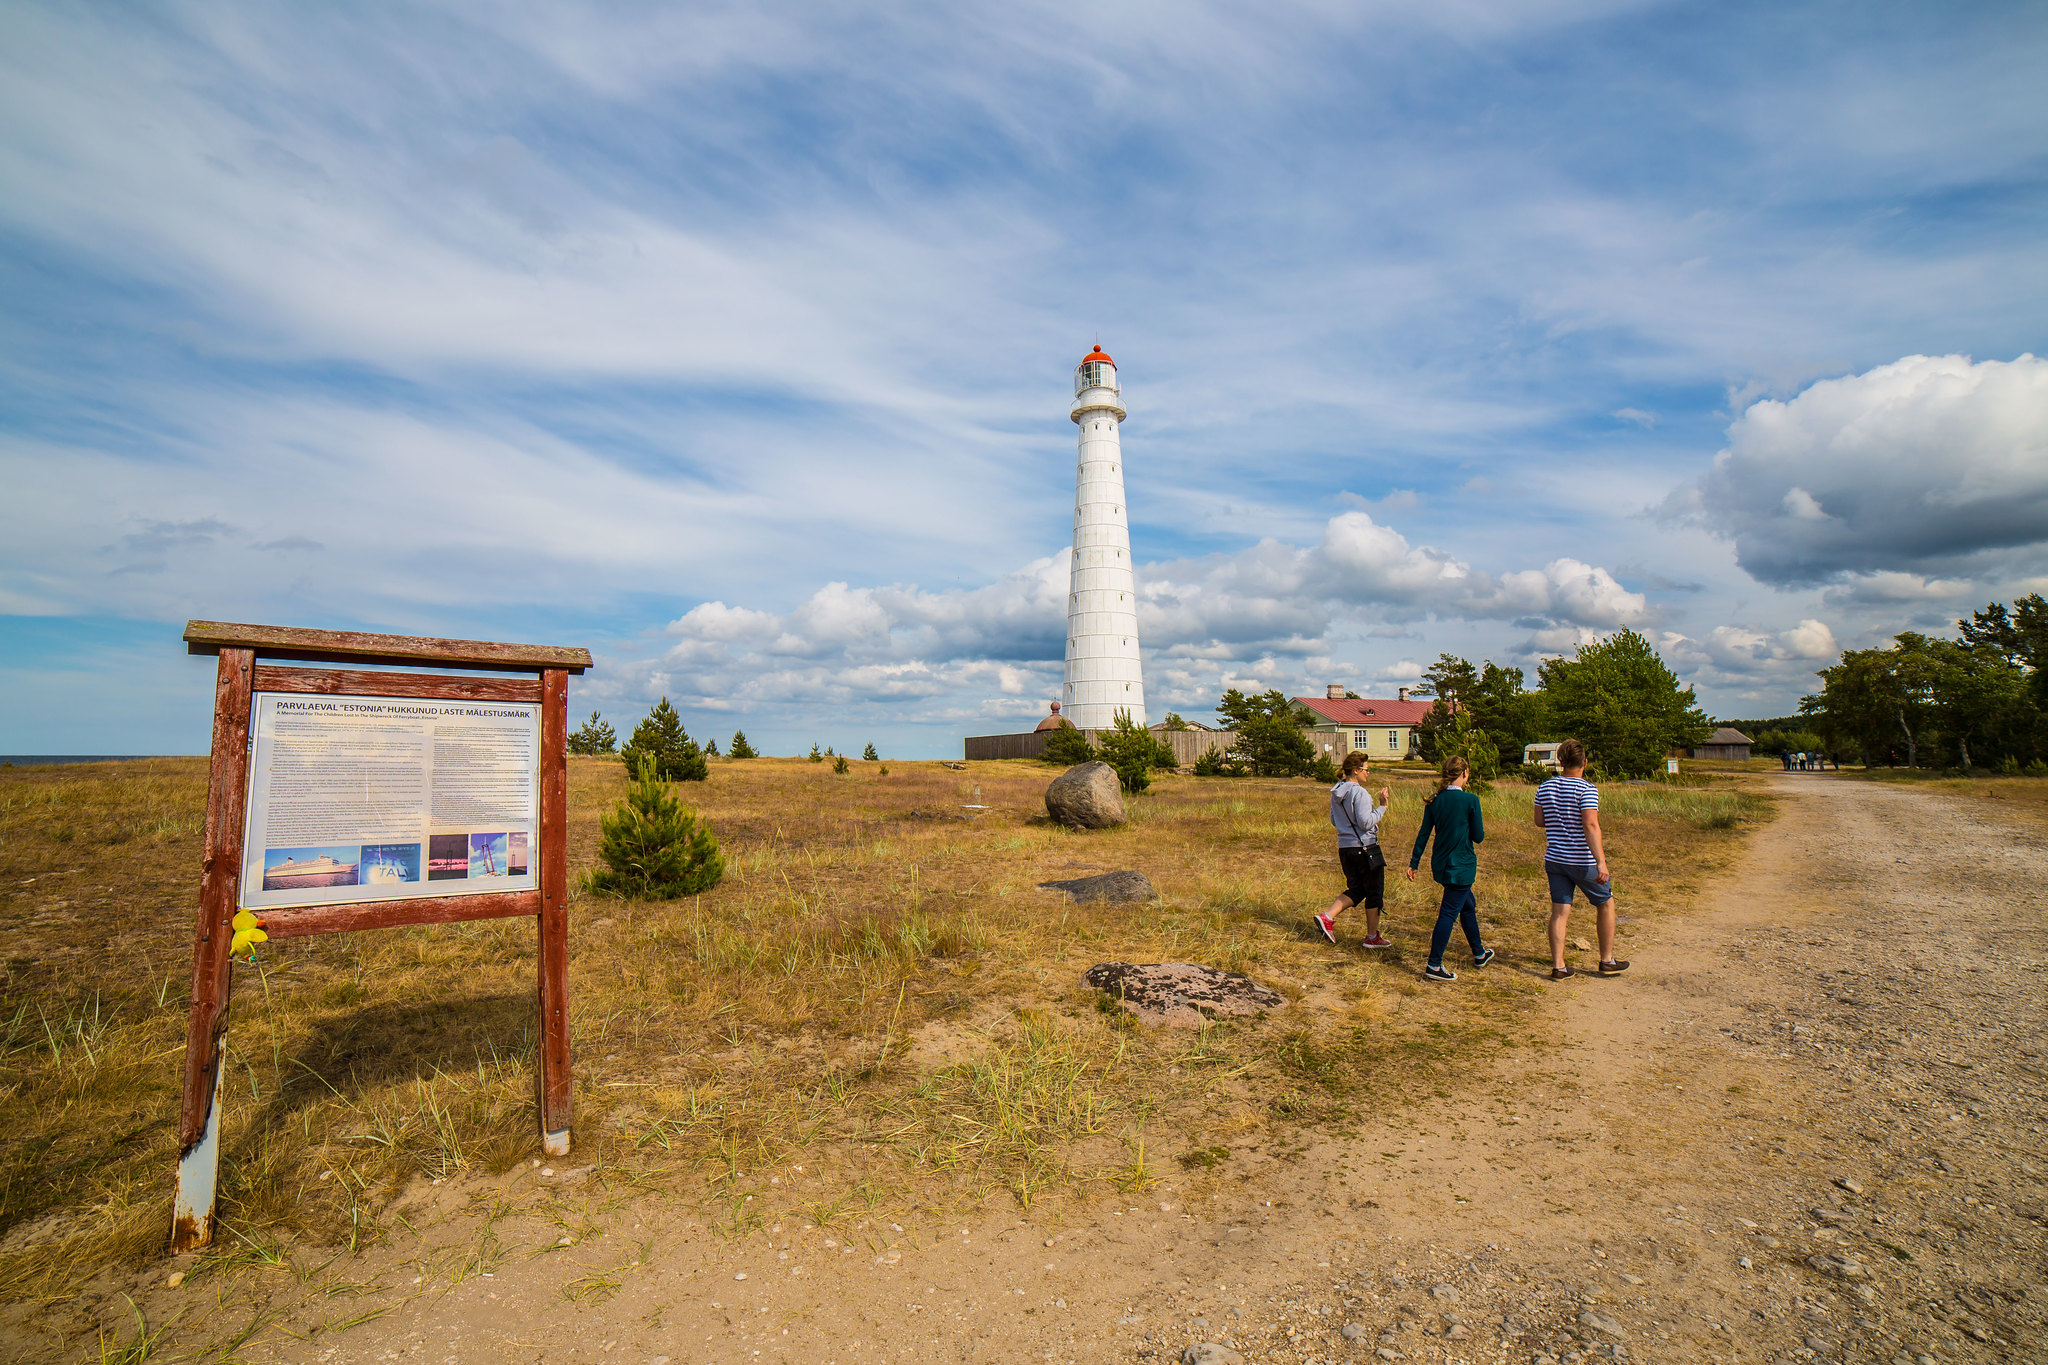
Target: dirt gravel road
(1807, 1125)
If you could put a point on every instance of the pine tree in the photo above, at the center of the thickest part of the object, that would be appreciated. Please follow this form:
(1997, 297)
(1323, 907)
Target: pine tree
(739, 748)
(1130, 749)
(1067, 746)
(711, 748)
(817, 755)
(594, 736)
(653, 847)
(839, 763)
(661, 737)
(869, 754)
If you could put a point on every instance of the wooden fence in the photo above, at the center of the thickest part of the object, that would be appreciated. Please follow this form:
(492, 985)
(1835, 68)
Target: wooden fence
(1187, 745)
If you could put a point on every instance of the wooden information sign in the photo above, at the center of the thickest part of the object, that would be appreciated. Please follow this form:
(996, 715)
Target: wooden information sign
(354, 798)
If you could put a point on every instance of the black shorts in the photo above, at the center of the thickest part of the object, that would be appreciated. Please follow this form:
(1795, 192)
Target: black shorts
(1364, 885)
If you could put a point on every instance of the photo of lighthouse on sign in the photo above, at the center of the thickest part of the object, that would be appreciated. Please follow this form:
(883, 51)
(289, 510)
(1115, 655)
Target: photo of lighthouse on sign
(1103, 675)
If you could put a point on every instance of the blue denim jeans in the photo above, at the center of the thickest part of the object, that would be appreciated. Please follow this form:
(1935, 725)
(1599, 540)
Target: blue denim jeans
(1459, 907)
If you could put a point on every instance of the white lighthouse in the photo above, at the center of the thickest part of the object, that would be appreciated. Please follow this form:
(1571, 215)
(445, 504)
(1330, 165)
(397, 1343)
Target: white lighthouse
(1103, 674)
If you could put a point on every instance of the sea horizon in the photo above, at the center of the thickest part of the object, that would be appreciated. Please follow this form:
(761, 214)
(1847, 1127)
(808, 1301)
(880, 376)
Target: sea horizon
(40, 760)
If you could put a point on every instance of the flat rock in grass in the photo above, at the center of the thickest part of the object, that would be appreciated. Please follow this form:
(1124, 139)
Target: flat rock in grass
(1086, 796)
(1110, 886)
(1181, 993)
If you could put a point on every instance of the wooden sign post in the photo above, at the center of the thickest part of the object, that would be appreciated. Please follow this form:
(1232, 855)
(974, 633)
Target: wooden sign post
(319, 736)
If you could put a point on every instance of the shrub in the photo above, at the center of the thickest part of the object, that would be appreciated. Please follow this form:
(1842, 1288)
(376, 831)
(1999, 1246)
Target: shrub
(1211, 763)
(653, 847)
(1535, 774)
(739, 748)
(1067, 746)
(2009, 766)
(1163, 756)
(1130, 749)
(2038, 768)
(594, 736)
(869, 755)
(839, 764)
(662, 738)
(817, 754)
(1324, 771)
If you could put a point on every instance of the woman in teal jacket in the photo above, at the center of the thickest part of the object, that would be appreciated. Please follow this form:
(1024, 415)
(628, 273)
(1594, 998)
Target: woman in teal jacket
(1453, 814)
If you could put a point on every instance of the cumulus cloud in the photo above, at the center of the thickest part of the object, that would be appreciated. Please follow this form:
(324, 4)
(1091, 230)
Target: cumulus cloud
(1262, 616)
(1746, 661)
(1929, 464)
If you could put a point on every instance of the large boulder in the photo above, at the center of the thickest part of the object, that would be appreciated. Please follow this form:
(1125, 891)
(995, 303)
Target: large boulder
(1115, 887)
(1181, 993)
(1086, 796)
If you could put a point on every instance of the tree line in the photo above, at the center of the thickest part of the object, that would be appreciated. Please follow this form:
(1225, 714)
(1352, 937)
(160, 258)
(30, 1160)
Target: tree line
(1978, 701)
(1616, 696)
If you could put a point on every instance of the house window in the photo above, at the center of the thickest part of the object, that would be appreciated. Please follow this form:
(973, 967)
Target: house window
(1393, 739)
(1361, 739)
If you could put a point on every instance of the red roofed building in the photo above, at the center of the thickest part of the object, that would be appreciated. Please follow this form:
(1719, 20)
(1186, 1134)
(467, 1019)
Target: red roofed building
(1382, 727)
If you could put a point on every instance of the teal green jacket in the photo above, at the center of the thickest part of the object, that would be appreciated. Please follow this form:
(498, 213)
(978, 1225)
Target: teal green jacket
(1454, 815)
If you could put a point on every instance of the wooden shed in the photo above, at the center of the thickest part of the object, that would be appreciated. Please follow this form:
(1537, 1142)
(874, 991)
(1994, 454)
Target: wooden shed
(1725, 743)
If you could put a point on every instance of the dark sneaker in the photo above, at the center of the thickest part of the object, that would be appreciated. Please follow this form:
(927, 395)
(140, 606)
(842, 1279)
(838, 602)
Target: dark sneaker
(1376, 941)
(1560, 973)
(1483, 958)
(1328, 926)
(1612, 968)
(1439, 973)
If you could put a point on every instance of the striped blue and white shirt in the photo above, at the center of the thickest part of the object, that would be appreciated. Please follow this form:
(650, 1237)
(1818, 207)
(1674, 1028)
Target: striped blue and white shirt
(1564, 802)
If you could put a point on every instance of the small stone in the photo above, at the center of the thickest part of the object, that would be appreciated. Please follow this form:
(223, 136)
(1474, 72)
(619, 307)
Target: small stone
(1846, 1183)
(1604, 1325)
(889, 1258)
(547, 1170)
(177, 1278)
(1816, 1345)
(1867, 1293)
(741, 1276)
(1459, 1332)
(1387, 1353)
(565, 1241)
(1443, 1293)
(1118, 888)
(1354, 1331)
(1582, 945)
(1746, 1263)
(1838, 1267)
(1209, 1353)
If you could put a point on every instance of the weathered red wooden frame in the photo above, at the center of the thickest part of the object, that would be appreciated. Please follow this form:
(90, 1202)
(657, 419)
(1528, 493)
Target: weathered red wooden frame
(238, 678)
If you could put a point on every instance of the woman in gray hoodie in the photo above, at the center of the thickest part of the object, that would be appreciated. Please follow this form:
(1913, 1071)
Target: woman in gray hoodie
(1357, 817)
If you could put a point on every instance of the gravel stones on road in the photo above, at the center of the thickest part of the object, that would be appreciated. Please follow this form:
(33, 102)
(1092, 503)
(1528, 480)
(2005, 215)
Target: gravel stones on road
(1209, 1353)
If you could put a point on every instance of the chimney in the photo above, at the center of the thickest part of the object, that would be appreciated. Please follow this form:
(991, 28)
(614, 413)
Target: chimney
(1404, 694)
(1335, 692)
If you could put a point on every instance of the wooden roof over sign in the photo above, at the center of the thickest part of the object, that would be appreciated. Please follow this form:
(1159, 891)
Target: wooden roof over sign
(347, 646)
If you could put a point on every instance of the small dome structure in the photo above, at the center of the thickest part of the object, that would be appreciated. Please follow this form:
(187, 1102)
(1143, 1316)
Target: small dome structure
(1098, 356)
(1055, 721)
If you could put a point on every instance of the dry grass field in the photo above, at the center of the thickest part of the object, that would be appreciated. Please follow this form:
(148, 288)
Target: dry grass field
(878, 984)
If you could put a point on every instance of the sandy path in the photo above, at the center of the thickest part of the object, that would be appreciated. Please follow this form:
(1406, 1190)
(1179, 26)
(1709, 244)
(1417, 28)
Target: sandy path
(1864, 1001)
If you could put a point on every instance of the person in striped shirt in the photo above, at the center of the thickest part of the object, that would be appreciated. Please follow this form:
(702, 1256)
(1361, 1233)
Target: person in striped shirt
(1574, 856)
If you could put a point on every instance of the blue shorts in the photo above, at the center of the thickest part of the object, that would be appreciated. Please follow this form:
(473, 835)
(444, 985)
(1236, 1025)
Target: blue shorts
(1566, 876)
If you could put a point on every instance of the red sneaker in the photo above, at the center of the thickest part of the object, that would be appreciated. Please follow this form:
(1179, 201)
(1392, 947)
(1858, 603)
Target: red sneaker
(1376, 941)
(1328, 926)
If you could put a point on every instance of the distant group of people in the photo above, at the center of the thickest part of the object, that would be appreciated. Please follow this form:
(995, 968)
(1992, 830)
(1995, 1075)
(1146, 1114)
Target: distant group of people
(1805, 762)
(1567, 810)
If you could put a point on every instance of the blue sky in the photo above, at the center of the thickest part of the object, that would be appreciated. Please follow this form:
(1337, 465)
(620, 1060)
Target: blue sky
(735, 342)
